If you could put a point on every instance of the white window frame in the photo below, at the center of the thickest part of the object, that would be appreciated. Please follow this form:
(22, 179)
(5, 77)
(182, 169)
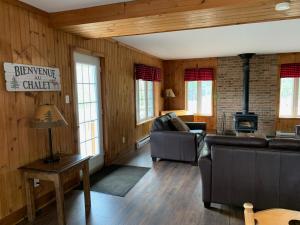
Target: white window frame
(199, 90)
(137, 102)
(295, 100)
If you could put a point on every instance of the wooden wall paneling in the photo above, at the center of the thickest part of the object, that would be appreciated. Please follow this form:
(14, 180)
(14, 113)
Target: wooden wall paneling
(285, 124)
(6, 53)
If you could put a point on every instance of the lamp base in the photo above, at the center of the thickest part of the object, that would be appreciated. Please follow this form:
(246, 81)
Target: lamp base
(52, 159)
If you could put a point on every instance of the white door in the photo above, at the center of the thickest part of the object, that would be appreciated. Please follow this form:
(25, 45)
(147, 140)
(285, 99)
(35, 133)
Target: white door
(89, 108)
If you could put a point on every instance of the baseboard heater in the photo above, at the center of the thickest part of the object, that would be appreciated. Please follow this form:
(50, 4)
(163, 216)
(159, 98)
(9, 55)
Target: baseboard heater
(142, 142)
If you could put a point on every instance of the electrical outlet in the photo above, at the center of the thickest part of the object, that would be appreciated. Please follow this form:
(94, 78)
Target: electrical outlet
(36, 182)
(123, 140)
(67, 98)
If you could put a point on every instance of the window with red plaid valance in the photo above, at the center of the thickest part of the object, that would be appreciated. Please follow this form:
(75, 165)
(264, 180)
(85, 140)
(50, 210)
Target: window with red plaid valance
(147, 73)
(290, 70)
(198, 74)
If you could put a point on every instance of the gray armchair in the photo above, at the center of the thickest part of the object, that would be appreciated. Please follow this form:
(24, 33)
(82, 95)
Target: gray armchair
(168, 143)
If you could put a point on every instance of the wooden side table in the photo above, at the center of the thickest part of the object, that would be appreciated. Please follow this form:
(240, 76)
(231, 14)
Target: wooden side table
(54, 172)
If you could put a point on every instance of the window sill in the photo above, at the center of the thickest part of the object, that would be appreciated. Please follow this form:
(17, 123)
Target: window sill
(145, 121)
(203, 115)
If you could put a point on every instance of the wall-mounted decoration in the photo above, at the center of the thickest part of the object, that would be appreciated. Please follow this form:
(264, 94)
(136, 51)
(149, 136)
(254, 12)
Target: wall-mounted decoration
(20, 77)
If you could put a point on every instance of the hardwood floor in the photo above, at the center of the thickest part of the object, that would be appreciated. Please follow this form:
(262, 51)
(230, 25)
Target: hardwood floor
(169, 194)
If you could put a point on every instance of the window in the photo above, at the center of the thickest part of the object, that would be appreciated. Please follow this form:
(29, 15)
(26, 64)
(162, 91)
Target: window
(88, 104)
(289, 97)
(144, 100)
(199, 97)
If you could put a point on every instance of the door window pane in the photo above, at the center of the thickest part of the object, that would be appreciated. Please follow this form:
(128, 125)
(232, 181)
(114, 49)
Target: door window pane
(85, 73)
(93, 92)
(92, 74)
(80, 93)
(79, 73)
(81, 113)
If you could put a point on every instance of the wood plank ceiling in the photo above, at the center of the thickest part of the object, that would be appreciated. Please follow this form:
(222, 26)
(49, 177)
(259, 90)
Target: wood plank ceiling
(152, 16)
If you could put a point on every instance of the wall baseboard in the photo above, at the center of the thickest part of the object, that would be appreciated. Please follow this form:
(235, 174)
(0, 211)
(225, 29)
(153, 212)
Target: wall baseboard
(41, 202)
(142, 142)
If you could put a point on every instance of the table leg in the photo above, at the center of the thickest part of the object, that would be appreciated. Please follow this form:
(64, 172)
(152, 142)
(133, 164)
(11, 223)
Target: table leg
(86, 187)
(59, 191)
(29, 197)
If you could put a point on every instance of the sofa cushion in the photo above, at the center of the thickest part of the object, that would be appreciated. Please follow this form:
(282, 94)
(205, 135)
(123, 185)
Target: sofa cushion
(179, 124)
(235, 141)
(161, 123)
(172, 115)
(288, 144)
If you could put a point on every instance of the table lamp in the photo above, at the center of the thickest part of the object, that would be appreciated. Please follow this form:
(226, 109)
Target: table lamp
(48, 116)
(169, 93)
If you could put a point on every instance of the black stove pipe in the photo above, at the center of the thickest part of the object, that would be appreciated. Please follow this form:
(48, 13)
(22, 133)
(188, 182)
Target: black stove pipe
(246, 70)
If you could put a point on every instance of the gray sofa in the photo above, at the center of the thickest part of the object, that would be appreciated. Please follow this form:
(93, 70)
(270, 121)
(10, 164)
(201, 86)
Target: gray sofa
(168, 143)
(264, 172)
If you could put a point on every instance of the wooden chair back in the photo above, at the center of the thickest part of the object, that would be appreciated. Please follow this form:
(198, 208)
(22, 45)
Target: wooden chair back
(270, 216)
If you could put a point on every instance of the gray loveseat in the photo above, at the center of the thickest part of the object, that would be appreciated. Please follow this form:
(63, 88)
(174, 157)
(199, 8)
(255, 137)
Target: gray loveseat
(264, 172)
(168, 143)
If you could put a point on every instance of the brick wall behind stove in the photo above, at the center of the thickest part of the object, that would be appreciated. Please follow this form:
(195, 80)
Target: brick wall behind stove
(263, 90)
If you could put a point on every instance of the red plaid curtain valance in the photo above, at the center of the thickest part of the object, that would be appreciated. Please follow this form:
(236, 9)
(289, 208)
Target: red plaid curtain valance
(147, 73)
(197, 74)
(290, 70)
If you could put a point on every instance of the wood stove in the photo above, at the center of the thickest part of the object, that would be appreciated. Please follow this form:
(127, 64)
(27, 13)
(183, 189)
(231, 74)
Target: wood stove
(245, 121)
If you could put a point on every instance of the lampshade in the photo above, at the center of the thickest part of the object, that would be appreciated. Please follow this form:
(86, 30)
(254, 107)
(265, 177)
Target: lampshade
(48, 116)
(169, 93)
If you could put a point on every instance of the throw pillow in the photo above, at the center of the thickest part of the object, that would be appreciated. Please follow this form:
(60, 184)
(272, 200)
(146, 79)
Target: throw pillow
(179, 124)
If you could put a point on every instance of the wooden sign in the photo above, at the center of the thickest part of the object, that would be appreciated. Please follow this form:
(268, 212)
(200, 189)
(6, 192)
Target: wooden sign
(20, 77)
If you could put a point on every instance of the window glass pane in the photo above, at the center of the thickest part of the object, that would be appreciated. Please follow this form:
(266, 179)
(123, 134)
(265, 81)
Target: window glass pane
(83, 148)
(79, 72)
(150, 99)
(94, 128)
(87, 112)
(89, 149)
(80, 93)
(142, 99)
(93, 145)
(94, 111)
(92, 74)
(85, 73)
(206, 98)
(86, 93)
(82, 132)
(88, 131)
(192, 96)
(286, 97)
(80, 113)
(93, 92)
